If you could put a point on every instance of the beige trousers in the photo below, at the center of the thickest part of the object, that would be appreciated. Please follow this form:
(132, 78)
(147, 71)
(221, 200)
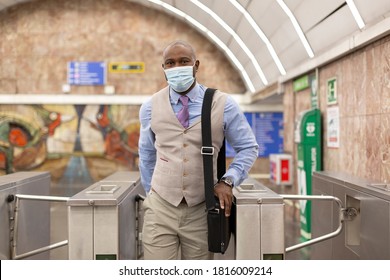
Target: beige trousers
(169, 230)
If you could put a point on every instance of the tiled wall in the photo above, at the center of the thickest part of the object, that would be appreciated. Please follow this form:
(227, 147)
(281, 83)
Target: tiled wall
(39, 38)
(363, 87)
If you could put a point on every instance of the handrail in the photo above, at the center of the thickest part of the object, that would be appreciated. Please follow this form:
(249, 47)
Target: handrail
(20, 197)
(323, 237)
(39, 250)
(42, 197)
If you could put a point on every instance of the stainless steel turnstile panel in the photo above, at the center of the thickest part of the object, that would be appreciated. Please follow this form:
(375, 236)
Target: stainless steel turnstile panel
(259, 222)
(6, 189)
(366, 236)
(102, 219)
(34, 223)
(122, 176)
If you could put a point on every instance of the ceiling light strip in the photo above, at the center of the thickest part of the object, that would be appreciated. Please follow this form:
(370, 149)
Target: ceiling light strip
(234, 59)
(262, 36)
(235, 36)
(356, 14)
(298, 29)
(213, 37)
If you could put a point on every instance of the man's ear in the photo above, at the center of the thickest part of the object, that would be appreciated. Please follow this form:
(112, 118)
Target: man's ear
(197, 63)
(196, 67)
(162, 65)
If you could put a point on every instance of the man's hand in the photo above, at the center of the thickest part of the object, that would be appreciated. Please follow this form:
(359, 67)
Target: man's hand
(225, 196)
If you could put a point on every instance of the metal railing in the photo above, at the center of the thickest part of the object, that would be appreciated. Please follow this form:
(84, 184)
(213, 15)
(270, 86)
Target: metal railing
(15, 220)
(345, 214)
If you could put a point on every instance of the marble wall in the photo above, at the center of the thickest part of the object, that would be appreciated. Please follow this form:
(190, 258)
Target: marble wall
(363, 88)
(40, 37)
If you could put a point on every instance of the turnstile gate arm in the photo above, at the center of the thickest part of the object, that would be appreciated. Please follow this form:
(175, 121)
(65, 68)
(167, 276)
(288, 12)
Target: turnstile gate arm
(323, 237)
(19, 197)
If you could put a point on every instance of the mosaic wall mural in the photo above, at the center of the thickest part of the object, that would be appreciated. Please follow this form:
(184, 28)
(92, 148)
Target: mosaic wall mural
(77, 144)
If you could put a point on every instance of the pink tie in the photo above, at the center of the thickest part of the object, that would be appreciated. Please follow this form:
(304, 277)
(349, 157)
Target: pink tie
(183, 115)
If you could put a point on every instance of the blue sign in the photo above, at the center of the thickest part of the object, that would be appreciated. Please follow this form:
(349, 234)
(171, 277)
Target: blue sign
(268, 129)
(82, 73)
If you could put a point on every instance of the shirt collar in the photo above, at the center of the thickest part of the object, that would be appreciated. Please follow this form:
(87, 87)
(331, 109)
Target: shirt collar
(192, 94)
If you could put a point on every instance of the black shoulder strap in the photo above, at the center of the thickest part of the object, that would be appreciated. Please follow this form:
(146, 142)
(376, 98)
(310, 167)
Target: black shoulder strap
(208, 150)
(221, 162)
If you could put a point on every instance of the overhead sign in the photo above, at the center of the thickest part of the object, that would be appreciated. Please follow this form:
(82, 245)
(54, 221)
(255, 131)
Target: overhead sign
(126, 67)
(268, 129)
(83, 73)
(301, 83)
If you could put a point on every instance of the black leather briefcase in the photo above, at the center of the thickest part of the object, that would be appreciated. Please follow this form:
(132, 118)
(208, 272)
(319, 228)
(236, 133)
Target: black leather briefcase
(220, 228)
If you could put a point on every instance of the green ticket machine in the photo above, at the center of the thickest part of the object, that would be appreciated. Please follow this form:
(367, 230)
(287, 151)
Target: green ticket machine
(307, 136)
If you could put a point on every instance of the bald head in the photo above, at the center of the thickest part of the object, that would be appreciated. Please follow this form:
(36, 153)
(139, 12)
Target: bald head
(179, 53)
(180, 44)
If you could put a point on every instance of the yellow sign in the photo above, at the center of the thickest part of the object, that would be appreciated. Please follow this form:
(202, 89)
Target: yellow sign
(126, 67)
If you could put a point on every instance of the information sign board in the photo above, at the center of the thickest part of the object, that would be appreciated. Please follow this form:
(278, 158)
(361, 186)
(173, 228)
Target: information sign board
(268, 129)
(83, 73)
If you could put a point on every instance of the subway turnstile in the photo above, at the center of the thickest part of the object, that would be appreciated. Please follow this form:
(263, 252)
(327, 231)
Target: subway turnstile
(260, 229)
(105, 219)
(102, 219)
(259, 222)
(32, 230)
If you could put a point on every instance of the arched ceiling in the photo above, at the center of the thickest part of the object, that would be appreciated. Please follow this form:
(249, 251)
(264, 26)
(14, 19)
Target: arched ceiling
(260, 39)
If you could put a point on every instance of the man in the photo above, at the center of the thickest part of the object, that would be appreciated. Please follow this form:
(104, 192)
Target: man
(171, 163)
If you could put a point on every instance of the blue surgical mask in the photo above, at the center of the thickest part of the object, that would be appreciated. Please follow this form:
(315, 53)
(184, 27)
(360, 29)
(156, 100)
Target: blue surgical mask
(180, 78)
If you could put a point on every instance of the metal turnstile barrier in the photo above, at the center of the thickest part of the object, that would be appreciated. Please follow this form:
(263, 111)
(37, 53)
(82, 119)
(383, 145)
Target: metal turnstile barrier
(24, 227)
(366, 232)
(344, 214)
(104, 221)
(259, 222)
(14, 242)
(260, 232)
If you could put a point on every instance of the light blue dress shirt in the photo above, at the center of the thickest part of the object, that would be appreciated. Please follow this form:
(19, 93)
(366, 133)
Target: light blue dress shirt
(237, 131)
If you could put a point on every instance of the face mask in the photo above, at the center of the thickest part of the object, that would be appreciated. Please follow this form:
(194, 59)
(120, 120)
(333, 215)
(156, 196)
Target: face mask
(180, 78)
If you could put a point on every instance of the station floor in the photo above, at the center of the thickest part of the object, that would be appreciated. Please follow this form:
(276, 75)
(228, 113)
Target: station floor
(59, 221)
